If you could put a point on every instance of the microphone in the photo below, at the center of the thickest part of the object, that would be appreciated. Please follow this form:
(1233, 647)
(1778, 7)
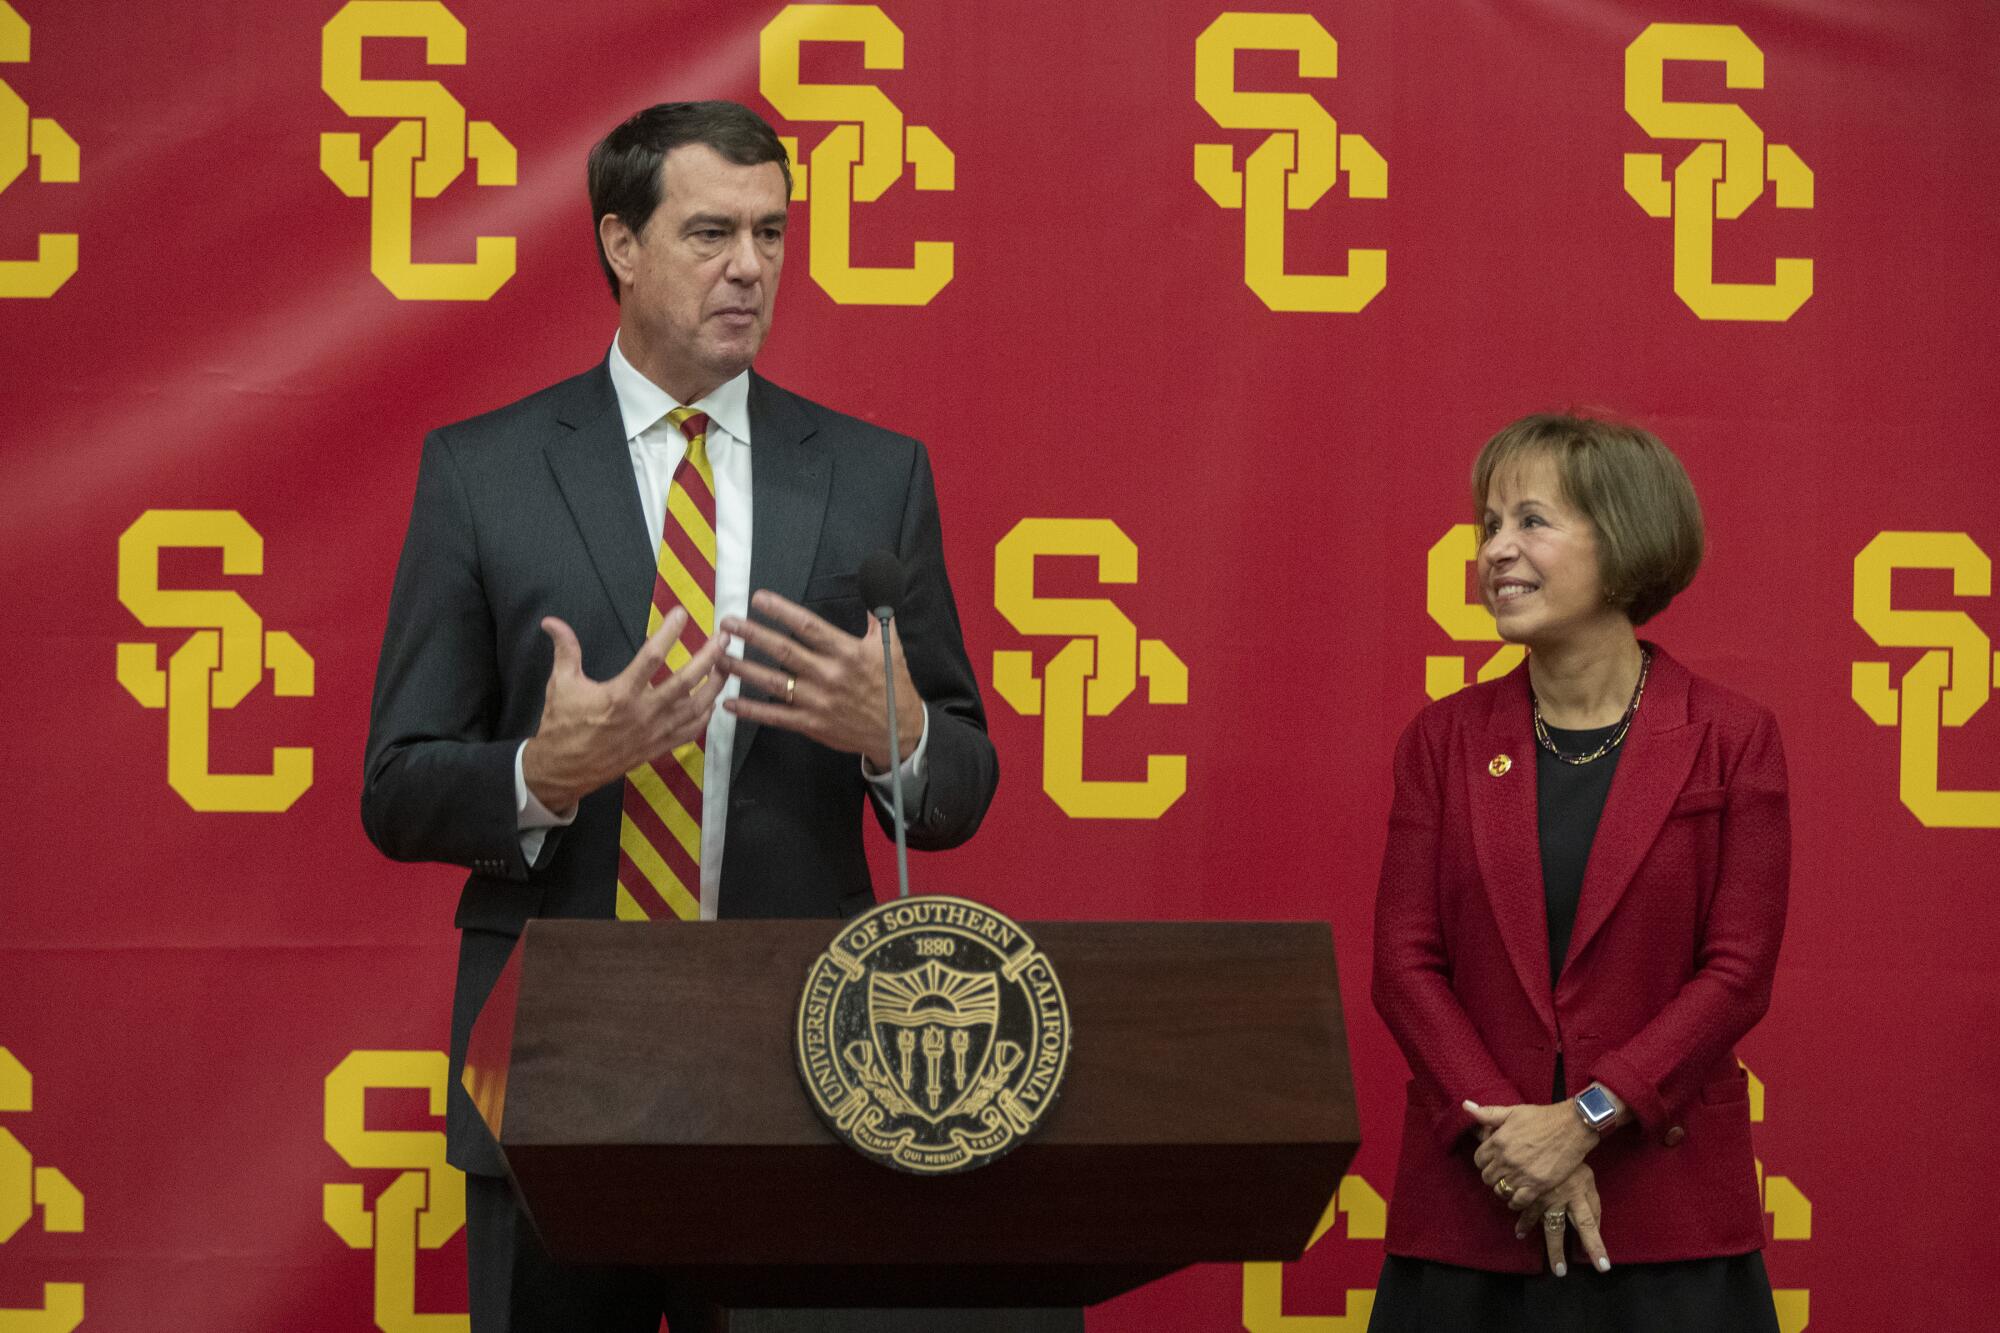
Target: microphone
(881, 590)
(881, 582)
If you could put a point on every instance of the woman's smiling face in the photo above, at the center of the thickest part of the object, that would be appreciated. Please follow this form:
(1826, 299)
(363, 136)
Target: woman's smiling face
(1538, 558)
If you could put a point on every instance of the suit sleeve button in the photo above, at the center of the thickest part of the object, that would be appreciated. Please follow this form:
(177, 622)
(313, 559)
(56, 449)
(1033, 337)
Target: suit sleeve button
(1674, 1135)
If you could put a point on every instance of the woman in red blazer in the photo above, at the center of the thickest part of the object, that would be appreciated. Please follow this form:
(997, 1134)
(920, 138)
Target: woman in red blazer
(1579, 915)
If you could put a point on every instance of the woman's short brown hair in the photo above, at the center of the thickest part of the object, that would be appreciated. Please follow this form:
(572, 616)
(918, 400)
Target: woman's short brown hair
(1631, 488)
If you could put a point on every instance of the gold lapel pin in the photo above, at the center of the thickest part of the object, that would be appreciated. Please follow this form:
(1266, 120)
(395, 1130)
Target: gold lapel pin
(1498, 765)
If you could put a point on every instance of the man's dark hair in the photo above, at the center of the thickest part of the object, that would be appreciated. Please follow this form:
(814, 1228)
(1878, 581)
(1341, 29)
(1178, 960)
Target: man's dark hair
(624, 168)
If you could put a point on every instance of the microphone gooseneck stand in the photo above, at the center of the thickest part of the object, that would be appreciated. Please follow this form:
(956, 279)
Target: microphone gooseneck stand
(881, 590)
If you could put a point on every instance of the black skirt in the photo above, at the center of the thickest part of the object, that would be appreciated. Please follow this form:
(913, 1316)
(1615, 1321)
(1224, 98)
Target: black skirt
(1726, 1295)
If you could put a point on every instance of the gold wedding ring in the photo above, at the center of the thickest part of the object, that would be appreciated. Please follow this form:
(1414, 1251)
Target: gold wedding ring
(1503, 1189)
(791, 688)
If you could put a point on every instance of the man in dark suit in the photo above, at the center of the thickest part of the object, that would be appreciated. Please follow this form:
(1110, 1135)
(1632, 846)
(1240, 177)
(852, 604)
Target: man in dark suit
(520, 697)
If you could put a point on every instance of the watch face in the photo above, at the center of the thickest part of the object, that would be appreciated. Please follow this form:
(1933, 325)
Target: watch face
(1597, 1105)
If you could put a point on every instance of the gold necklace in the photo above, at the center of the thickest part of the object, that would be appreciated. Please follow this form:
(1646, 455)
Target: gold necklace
(1616, 738)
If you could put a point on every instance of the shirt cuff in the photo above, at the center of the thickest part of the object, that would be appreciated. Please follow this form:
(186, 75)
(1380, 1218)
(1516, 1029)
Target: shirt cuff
(531, 817)
(910, 773)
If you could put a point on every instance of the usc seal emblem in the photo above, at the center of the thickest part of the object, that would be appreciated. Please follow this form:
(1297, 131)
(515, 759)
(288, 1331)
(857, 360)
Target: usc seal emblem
(932, 1035)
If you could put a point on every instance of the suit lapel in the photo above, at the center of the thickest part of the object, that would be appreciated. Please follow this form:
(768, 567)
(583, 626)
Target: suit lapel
(1505, 837)
(790, 473)
(1658, 755)
(593, 468)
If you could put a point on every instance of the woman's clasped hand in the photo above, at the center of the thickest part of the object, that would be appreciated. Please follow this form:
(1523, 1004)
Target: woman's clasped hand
(1526, 1151)
(1532, 1156)
(1572, 1203)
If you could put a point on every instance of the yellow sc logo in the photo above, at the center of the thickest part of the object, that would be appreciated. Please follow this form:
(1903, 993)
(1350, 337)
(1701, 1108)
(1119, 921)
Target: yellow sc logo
(423, 152)
(1723, 175)
(24, 1187)
(1465, 620)
(424, 1206)
(1946, 686)
(1791, 1219)
(218, 665)
(1094, 672)
(1293, 168)
(21, 137)
(1264, 1284)
(863, 155)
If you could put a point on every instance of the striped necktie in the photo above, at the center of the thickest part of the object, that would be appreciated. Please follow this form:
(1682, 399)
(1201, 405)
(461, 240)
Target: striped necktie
(659, 835)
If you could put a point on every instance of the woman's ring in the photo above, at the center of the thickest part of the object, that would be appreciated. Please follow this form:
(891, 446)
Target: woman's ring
(1555, 1218)
(791, 688)
(1503, 1189)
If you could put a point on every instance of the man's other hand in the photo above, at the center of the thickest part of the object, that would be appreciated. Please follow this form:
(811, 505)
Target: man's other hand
(826, 683)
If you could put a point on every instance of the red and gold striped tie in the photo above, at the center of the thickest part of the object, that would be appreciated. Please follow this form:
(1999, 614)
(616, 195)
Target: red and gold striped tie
(659, 837)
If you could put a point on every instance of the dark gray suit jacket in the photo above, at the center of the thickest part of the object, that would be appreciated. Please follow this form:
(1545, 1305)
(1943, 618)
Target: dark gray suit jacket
(532, 511)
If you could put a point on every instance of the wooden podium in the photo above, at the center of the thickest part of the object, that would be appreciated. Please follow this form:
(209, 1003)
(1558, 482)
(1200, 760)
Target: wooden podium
(639, 1078)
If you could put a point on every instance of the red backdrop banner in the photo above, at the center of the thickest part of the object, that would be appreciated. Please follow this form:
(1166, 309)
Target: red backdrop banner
(1203, 313)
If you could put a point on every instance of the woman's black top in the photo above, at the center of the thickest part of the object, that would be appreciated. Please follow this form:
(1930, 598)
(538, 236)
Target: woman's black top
(1569, 798)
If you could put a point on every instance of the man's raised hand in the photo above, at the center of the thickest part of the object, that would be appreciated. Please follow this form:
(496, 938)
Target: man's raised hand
(826, 684)
(593, 732)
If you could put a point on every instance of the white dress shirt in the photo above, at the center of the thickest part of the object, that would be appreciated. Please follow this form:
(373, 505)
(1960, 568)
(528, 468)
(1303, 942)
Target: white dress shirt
(657, 447)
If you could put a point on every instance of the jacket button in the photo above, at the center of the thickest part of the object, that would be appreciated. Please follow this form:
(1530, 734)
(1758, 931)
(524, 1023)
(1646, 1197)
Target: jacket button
(1674, 1135)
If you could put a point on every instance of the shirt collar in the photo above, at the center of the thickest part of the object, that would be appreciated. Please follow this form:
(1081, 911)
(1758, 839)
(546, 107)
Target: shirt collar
(641, 403)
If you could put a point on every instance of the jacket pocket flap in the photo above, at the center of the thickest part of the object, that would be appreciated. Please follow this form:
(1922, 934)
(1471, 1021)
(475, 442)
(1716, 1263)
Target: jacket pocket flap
(1698, 800)
(833, 587)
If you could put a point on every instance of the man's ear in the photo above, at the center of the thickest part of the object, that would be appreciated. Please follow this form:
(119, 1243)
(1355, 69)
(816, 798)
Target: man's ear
(619, 242)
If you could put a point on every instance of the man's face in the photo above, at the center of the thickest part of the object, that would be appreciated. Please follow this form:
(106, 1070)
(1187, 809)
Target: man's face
(701, 278)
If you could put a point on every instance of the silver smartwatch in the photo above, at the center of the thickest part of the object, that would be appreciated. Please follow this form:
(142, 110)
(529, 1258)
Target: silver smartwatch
(1595, 1108)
